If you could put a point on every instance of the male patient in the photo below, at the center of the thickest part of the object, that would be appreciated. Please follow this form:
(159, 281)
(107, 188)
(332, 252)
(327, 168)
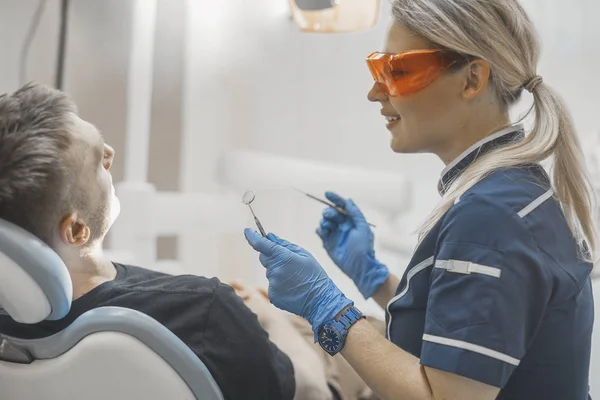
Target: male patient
(55, 182)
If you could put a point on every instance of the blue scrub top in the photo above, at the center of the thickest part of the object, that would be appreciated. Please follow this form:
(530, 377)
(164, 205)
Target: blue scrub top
(497, 292)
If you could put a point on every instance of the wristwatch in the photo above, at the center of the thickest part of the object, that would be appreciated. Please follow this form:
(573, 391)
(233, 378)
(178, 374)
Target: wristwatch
(332, 335)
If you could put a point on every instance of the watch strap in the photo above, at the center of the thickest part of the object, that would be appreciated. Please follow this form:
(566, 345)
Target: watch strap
(350, 317)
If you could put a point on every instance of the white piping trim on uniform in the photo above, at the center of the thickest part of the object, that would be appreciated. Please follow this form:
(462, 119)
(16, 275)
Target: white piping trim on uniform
(505, 131)
(414, 270)
(536, 203)
(467, 267)
(472, 347)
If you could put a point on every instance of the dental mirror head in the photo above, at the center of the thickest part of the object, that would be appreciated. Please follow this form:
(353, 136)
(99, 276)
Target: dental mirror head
(248, 197)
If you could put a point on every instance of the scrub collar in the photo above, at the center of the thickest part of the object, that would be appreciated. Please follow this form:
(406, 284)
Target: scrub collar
(499, 139)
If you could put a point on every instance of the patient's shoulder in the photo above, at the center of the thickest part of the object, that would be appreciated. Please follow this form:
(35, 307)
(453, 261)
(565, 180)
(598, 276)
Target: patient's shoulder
(182, 303)
(137, 279)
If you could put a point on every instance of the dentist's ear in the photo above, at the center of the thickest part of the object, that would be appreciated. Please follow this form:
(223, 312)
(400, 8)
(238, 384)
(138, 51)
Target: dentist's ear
(477, 79)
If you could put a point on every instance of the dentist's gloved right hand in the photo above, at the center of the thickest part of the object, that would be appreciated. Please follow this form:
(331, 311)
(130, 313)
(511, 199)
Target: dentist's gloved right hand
(348, 240)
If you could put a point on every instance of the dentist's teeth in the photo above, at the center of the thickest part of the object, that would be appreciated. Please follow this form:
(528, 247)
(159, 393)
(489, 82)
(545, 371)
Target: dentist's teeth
(390, 119)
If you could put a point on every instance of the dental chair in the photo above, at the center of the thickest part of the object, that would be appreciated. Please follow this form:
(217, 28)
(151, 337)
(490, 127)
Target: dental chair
(107, 353)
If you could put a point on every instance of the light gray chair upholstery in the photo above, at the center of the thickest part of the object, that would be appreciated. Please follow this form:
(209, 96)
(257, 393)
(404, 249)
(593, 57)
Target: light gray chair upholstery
(107, 353)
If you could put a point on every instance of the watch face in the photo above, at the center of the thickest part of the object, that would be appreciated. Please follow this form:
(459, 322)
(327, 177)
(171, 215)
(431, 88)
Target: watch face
(330, 340)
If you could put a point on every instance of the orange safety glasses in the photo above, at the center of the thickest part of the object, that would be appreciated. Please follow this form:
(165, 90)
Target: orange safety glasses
(408, 73)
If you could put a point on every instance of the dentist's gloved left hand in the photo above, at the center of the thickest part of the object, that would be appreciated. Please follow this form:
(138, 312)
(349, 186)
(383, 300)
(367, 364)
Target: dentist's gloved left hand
(297, 282)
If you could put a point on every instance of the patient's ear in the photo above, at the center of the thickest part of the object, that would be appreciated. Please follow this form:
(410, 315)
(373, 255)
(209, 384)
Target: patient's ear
(74, 231)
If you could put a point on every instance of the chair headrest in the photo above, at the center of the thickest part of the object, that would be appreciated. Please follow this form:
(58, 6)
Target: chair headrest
(34, 282)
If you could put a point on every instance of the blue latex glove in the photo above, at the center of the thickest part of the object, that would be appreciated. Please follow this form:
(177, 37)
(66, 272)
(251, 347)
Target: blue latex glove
(297, 282)
(348, 240)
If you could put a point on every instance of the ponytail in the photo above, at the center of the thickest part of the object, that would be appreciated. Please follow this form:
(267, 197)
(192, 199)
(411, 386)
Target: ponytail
(571, 182)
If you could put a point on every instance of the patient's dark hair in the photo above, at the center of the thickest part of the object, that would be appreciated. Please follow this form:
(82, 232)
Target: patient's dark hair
(34, 175)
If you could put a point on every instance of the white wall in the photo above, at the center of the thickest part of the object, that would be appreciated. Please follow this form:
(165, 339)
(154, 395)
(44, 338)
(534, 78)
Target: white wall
(15, 17)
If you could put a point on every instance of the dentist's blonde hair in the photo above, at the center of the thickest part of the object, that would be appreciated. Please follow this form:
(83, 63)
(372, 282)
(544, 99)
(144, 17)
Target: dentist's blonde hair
(500, 32)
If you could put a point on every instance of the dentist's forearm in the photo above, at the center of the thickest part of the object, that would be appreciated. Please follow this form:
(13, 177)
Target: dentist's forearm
(388, 370)
(386, 291)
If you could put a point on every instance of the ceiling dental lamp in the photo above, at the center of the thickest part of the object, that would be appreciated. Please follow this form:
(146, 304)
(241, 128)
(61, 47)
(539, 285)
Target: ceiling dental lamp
(334, 16)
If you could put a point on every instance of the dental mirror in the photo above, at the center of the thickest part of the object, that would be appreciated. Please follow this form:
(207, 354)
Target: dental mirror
(247, 199)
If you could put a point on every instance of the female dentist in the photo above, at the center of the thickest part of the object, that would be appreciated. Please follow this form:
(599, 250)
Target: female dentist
(496, 301)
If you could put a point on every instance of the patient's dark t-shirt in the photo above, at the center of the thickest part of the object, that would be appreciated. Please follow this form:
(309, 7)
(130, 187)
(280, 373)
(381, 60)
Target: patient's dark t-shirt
(204, 313)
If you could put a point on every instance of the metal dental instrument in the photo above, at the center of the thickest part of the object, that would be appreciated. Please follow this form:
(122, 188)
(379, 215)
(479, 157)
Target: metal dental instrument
(247, 199)
(338, 209)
